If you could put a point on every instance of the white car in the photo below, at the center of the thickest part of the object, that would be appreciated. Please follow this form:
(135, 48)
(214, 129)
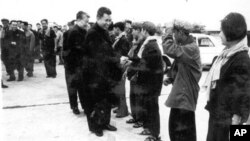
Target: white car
(210, 48)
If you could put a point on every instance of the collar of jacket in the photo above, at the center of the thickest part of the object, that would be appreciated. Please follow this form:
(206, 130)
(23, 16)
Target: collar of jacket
(104, 33)
(77, 27)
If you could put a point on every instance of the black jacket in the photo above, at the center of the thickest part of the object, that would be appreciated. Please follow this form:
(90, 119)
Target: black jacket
(73, 47)
(103, 63)
(232, 93)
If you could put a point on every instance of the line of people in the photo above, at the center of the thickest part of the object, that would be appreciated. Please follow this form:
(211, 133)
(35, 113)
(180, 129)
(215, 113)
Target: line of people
(99, 57)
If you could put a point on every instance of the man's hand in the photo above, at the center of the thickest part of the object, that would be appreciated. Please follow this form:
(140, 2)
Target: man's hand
(167, 81)
(236, 119)
(55, 49)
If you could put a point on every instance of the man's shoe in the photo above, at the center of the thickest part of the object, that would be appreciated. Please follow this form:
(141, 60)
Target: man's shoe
(29, 74)
(76, 111)
(20, 79)
(110, 128)
(11, 79)
(99, 133)
(4, 86)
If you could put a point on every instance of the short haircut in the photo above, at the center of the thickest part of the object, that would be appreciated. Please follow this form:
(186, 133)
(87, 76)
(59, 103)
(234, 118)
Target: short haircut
(19, 21)
(12, 21)
(149, 27)
(128, 21)
(103, 10)
(234, 27)
(38, 24)
(137, 26)
(79, 15)
(44, 20)
(25, 23)
(120, 25)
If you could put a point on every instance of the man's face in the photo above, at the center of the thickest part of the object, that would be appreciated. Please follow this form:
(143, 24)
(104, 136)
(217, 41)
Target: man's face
(135, 33)
(44, 24)
(105, 21)
(38, 26)
(84, 21)
(29, 27)
(128, 27)
(14, 26)
(116, 31)
(223, 38)
(5, 23)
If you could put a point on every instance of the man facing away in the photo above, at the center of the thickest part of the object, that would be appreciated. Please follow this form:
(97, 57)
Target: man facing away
(73, 50)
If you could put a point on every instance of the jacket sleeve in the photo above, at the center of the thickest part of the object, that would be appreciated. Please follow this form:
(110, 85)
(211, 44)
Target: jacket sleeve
(74, 41)
(148, 62)
(170, 48)
(239, 80)
(32, 42)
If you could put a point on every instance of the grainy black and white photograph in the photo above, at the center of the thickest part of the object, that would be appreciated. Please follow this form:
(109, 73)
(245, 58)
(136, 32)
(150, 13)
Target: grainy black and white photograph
(124, 70)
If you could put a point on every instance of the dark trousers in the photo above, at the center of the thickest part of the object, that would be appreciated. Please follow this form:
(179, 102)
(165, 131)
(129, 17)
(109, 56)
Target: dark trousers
(136, 102)
(16, 63)
(152, 118)
(182, 125)
(75, 86)
(217, 131)
(5, 58)
(97, 94)
(50, 63)
(119, 91)
(29, 64)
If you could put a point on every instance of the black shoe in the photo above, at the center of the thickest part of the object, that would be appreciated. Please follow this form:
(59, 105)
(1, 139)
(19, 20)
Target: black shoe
(110, 128)
(76, 111)
(48, 76)
(4, 86)
(29, 74)
(98, 133)
(11, 79)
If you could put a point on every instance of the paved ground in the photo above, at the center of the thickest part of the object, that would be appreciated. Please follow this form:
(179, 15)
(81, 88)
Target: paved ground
(37, 109)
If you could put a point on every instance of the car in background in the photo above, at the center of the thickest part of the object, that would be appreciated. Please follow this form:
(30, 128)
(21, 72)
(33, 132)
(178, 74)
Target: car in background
(210, 48)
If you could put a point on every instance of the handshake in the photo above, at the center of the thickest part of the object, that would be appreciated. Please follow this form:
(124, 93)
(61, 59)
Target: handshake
(125, 62)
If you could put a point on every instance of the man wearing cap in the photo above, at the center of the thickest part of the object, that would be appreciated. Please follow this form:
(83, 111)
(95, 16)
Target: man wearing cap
(184, 76)
(74, 51)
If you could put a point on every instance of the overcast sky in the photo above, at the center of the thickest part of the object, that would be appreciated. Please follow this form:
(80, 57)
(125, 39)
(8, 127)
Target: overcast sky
(206, 12)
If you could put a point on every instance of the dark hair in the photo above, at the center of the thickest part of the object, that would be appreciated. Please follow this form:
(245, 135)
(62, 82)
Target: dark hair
(120, 25)
(234, 27)
(19, 21)
(149, 27)
(38, 24)
(44, 20)
(80, 13)
(137, 26)
(103, 10)
(25, 23)
(128, 21)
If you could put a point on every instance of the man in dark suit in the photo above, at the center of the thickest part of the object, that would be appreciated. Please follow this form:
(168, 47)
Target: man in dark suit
(73, 53)
(102, 71)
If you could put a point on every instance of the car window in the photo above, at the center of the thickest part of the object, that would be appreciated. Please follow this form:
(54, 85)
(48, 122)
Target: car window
(205, 42)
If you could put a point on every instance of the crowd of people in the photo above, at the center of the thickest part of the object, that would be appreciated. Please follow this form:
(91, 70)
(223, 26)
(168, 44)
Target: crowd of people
(98, 58)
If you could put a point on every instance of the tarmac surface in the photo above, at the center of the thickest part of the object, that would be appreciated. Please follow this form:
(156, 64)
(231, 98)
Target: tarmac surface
(37, 109)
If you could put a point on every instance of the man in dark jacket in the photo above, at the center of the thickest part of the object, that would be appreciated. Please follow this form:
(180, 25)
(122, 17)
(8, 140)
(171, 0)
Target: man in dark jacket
(4, 45)
(48, 46)
(185, 73)
(73, 54)
(15, 44)
(121, 47)
(102, 72)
